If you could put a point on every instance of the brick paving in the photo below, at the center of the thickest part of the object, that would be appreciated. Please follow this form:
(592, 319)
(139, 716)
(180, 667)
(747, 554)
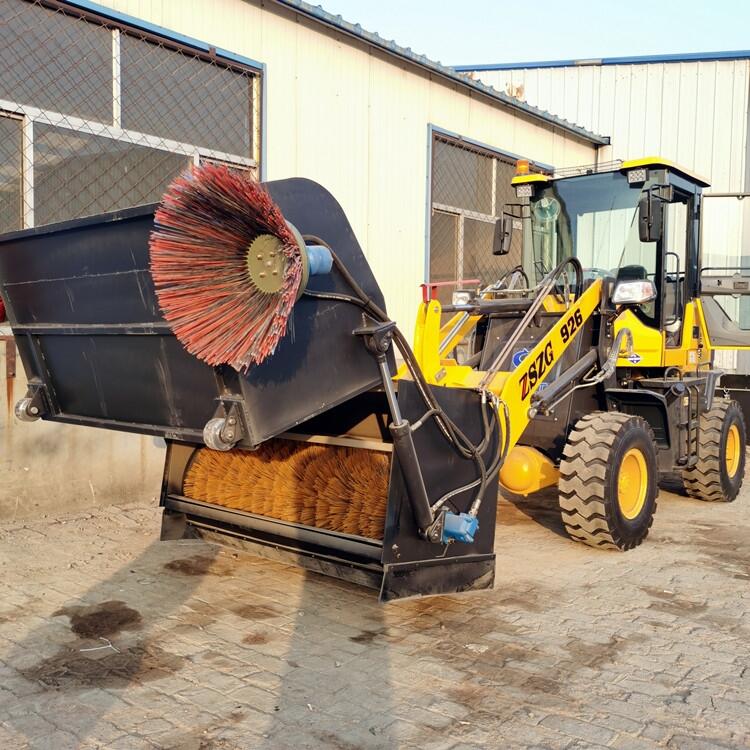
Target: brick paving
(112, 639)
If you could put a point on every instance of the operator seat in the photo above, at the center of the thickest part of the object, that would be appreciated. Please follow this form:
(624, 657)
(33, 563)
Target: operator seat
(632, 273)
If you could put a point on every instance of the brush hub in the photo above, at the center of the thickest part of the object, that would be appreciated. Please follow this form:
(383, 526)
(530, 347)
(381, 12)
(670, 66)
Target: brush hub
(266, 263)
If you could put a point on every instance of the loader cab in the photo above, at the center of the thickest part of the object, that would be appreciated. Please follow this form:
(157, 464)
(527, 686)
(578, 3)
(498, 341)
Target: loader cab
(636, 222)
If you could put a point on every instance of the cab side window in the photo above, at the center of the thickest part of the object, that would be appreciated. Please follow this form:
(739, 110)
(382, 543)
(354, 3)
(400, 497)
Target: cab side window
(675, 252)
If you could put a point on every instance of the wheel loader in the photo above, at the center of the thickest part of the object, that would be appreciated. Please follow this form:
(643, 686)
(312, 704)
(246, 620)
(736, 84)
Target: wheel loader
(348, 451)
(611, 387)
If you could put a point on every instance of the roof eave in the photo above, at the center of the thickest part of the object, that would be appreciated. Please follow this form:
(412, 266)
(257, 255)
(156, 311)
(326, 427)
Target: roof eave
(316, 13)
(625, 60)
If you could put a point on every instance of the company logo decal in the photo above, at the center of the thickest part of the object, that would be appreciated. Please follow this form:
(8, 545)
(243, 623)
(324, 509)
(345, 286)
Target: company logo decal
(519, 357)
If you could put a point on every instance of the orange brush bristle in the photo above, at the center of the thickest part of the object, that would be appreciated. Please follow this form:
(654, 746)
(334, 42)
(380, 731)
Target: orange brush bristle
(329, 487)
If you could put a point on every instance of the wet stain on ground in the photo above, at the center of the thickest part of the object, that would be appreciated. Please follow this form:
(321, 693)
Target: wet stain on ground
(197, 565)
(596, 655)
(101, 620)
(199, 615)
(335, 742)
(109, 668)
(679, 607)
(526, 601)
(254, 611)
(256, 639)
(667, 601)
(367, 636)
(501, 661)
(201, 737)
(727, 548)
(471, 697)
(383, 635)
(194, 741)
(657, 593)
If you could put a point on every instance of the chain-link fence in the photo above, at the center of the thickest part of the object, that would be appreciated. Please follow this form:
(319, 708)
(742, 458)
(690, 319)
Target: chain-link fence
(471, 187)
(97, 116)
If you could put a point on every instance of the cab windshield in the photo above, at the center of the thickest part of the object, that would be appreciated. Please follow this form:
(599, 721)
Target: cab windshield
(593, 218)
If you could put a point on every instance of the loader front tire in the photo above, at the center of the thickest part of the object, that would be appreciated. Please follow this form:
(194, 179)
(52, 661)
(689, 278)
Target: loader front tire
(717, 476)
(608, 480)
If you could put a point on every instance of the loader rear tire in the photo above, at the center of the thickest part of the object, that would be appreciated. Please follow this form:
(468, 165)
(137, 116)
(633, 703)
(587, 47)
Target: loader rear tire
(608, 480)
(717, 476)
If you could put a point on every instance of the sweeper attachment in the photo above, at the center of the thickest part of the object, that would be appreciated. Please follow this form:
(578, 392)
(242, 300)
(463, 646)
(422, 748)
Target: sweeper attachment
(243, 325)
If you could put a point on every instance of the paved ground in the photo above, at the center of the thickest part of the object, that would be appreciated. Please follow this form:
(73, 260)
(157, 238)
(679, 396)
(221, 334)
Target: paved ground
(112, 639)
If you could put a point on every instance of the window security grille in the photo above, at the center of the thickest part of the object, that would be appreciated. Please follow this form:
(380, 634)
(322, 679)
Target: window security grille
(470, 187)
(95, 116)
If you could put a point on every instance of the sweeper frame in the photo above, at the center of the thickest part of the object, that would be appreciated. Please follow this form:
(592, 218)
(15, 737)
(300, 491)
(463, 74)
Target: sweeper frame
(110, 360)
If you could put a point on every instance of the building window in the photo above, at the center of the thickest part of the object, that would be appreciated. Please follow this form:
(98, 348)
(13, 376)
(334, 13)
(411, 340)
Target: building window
(11, 200)
(96, 116)
(95, 174)
(207, 104)
(55, 61)
(470, 186)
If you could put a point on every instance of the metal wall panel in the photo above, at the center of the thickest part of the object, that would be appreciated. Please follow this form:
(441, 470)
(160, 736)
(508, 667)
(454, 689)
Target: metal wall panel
(692, 112)
(356, 120)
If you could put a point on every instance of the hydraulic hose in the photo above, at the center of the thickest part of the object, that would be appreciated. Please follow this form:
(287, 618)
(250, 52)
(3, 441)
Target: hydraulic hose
(450, 430)
(465, 448)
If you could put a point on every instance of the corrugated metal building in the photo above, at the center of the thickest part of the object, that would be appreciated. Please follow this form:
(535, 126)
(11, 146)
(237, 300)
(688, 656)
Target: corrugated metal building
(102, 104)
(692, 109)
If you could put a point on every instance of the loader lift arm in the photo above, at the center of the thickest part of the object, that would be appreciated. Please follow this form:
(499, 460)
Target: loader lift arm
(520, 385)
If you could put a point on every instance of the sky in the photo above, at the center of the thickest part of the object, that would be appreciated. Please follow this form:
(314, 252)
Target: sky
(490, 31)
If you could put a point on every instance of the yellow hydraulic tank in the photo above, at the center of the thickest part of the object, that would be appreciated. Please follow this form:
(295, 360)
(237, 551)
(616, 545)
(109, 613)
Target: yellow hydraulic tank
(527, 470)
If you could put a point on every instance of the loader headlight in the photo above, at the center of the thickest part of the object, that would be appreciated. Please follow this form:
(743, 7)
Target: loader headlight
(524, 190)
(637, 176)
(634, 292)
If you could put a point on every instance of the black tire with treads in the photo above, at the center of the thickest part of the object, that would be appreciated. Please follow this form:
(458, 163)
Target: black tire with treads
(589, 476)
(709, 479)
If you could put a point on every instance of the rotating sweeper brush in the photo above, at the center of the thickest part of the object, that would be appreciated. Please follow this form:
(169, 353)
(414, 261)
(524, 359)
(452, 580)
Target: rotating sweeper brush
(227, 267)
(221, 321)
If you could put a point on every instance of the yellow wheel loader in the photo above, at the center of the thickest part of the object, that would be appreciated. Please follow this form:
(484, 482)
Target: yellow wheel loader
(588, 367)
(607, 372)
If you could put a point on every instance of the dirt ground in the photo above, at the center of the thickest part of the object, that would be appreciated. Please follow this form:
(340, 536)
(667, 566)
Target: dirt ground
(110, 638)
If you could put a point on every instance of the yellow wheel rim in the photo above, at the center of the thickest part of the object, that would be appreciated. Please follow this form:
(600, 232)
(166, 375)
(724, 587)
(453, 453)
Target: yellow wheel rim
(632, 483)
(732, 450)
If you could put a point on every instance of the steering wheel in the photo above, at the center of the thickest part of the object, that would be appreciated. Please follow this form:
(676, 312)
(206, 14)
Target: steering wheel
(595, 273)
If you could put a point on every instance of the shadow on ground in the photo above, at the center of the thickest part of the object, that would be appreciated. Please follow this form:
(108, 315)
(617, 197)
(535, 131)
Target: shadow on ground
(253, 665)
(541, 507)
(96, 645)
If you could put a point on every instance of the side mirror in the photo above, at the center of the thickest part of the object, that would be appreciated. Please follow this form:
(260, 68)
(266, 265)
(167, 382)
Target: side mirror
(651, 212)
(633, 292)
(503, 235)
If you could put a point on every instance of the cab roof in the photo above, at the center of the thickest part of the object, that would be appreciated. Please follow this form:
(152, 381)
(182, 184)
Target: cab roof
(615, 166)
